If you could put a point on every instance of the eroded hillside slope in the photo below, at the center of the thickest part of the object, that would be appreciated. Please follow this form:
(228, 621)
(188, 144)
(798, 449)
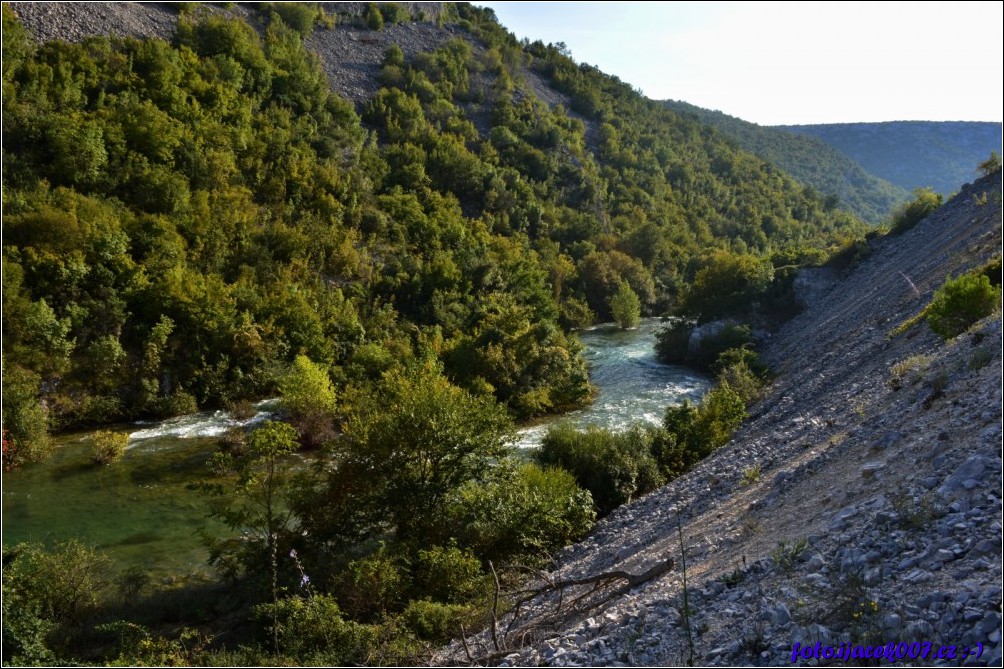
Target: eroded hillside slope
(845, 509)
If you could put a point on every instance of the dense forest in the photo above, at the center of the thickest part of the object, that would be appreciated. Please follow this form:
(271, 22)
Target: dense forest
(810, 160)
(202, 222)
(913, 154)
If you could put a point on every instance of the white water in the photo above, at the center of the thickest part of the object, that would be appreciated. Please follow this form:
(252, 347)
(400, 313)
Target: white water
(633, 386)
(204, 424)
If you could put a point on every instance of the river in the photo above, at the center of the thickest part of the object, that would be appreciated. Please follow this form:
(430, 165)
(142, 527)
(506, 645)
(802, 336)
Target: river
(141, 511)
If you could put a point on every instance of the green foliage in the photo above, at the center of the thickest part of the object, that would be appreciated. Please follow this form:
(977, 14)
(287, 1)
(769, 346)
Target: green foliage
(297, 15)
(960, 302)
(314, 630)
(394, 13)
(924, 202)
(728, 284)
(372, 586)
(673, 344)
(991, 165)
(842, 181)
(750, 475)
(419, 439)
(625, 306)
(447, 574)
(109, 446)
(373, 17)
(525, 513)
(614, 467)
(307, 395)
(434, 621)
(46, 594)
(691, 433)
(138, 647)
(25, 429)
(257, 503)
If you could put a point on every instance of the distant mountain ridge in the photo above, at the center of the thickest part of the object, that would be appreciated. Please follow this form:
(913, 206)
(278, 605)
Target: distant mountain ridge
(942, 155)
(811, 160)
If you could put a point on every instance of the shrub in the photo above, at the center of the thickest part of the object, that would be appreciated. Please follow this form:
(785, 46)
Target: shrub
(673, 344)
(434, 621)
(25, 434)
(309, 398)
(314, 626)
(691, 432)
(991, 165)
(924, 202)
(673, 341)
(992, 270)
(372, 586)
(373, 17)
(625, 306)
(45, 592)
(394, 13)
(614, 467)
(109, 446)
(909, 370)
(447, 574)
(961, 302)
(526, 512)
(298, 16)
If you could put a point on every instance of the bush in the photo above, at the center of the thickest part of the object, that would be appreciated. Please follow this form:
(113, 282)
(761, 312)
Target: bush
(961, 302)
(924, 202)
(991, 165)
(614, 467)
(672, 343)
(691, 432)
(314, 626)
(524, 513)
(447, 574)
(394, 13)
(25, 433)
(109, 446)
(373, 17)
(434, 621)
(45, 594)
(625, 306)
(309, 398)
(372, 586)
(298, 16)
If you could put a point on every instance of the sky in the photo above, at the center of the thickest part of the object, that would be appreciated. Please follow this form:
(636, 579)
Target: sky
(789, 63)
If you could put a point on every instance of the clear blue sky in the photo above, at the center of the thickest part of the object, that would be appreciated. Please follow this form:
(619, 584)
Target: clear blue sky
(786, 63)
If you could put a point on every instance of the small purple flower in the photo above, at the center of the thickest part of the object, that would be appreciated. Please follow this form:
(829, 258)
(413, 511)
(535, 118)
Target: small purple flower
(304, 581)
(292, 553)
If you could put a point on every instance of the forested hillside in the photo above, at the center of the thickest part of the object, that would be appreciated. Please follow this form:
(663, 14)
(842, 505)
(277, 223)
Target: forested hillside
(810, 160)
(183, 218)
(914, 154)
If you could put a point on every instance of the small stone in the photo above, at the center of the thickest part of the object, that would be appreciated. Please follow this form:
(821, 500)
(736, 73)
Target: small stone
(991, 621)
(868, 470)
(780, 616)
(972, 468)
(892, 622)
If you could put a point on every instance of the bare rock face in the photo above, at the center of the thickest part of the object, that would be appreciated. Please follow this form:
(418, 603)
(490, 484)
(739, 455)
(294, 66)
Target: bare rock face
(876, 515)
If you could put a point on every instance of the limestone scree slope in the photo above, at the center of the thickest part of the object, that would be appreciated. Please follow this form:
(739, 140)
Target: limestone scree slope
(860, 504)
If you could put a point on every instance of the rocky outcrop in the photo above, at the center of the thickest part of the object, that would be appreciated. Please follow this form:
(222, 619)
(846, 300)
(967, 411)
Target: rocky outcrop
(860, 504)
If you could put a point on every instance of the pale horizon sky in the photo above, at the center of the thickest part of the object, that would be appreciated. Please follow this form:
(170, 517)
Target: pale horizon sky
(778, 63)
